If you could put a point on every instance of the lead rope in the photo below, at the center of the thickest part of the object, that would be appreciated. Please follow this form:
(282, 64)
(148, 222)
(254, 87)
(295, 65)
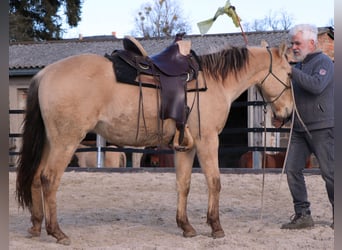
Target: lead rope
(290, 135)
(263, 165)
(286, 155)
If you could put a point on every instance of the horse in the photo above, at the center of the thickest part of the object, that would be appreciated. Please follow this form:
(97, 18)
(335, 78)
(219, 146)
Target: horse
(157, 159)
(273, 160)
(80, 94)
(111, 159)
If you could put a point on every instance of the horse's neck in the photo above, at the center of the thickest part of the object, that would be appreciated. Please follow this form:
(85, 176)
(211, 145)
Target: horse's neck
(255, 71)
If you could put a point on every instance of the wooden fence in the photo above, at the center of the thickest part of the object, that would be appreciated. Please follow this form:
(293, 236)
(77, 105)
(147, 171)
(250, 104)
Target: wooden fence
(225, 151)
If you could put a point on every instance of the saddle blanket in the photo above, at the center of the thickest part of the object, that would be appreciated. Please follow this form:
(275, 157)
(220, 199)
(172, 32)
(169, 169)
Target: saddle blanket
(126, 73)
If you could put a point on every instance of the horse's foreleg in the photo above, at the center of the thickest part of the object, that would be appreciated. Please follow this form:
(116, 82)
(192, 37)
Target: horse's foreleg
(214, 188)
(183, 163)
(208, 158)
(50, 178)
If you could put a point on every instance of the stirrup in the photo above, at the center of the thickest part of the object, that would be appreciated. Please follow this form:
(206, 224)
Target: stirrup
(187, 143)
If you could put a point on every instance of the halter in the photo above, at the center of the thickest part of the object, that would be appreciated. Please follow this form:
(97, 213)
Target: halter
(286, 87)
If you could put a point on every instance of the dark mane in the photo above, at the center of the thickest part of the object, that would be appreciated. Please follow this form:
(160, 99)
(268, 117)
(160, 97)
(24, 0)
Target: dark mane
(226, 61)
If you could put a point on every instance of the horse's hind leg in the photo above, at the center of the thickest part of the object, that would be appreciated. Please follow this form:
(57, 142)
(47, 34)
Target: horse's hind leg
(36, 209)
(57, 160)
(183, 163)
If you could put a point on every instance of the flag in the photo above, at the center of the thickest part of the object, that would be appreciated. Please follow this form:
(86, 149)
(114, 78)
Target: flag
(228, 9)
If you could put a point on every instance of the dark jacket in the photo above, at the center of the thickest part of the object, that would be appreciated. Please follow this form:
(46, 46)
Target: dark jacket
(313, 85)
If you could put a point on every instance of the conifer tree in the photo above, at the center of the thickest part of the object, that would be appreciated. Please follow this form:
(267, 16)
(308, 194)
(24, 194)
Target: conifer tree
(40, 20)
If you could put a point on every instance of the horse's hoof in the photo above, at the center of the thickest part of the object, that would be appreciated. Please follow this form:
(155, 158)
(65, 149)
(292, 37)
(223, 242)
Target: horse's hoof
(64, 241)
(33, 233)
(189, 234)
(218, 234)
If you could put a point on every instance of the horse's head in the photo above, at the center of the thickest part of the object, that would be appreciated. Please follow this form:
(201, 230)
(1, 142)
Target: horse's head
(276, 86)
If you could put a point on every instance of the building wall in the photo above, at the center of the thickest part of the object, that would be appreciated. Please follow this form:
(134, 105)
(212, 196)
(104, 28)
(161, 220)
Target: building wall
(17, 100)
(326, 43)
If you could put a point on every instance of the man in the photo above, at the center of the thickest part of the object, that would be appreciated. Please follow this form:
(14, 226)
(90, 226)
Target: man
(313, 85)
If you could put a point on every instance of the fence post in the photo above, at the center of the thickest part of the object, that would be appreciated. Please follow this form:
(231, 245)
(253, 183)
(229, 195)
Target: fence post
(255, 121)
(100, 142)
(257, 159)
(136, 158)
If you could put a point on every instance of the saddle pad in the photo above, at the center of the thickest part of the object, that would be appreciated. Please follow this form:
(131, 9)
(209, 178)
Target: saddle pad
(126, 73)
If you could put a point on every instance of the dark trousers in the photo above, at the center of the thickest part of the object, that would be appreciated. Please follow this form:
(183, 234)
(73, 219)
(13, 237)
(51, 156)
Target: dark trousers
(301, 146)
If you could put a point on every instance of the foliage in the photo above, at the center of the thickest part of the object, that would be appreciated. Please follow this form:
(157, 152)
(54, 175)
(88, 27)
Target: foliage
(36, 20)
(162, 18)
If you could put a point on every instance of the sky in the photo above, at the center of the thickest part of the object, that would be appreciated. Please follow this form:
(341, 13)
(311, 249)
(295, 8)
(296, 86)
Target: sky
(102, 17)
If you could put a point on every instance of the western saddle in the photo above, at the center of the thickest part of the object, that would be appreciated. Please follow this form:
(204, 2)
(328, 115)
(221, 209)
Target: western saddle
(170, 70)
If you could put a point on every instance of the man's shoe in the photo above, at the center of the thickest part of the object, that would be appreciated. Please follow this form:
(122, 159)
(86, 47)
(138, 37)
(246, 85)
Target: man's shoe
(299, 221)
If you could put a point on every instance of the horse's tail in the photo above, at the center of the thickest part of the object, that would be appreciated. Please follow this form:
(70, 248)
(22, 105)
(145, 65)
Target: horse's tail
(33, 141)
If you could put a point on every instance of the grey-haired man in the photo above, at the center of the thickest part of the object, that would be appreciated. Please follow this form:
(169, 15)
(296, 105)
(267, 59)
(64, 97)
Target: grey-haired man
(313, 85)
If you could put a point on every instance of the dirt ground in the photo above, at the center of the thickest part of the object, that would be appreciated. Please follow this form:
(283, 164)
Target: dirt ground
(114, 210)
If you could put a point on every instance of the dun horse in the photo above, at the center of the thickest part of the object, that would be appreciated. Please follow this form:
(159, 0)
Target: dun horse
(80, 94)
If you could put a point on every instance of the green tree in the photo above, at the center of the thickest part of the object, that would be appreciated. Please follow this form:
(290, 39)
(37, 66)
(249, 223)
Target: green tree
(39, 20)
(162, 18)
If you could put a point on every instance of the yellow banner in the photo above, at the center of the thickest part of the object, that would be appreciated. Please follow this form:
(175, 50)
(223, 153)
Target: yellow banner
(228, 9)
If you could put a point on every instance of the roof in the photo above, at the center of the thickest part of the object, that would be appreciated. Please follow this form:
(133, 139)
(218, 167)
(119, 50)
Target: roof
(30, 57)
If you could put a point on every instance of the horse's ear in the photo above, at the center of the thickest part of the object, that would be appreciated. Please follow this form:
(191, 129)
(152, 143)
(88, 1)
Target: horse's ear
(282, 49)
(264, 44)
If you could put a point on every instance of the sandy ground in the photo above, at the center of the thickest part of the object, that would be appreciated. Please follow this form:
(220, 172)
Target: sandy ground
(137, 211)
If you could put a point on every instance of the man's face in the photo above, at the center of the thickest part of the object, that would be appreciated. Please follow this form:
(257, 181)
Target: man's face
(301, 47)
